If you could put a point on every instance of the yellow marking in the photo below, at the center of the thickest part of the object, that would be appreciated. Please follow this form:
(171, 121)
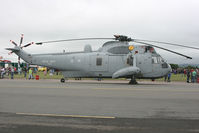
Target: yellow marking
(61, 115)
(131, 47)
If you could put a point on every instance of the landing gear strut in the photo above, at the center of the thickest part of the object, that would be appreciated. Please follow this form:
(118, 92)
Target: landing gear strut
(133, 81)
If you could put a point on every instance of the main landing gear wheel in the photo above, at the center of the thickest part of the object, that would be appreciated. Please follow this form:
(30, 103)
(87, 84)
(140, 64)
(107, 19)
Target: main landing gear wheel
(133, 81)
(62, 80)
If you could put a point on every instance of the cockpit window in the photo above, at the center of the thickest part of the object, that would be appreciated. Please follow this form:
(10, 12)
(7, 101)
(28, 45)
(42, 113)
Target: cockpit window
(160, 60)
(157, 60)
(150, 49)
(165, 65)
(119, 50)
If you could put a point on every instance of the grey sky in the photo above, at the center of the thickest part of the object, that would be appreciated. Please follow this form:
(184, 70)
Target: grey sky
(40, 20)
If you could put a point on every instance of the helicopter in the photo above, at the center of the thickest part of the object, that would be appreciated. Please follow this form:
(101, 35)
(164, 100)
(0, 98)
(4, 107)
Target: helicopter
(115, 59)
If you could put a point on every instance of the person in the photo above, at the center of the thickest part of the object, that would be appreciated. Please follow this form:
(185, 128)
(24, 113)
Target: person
(193, 76)
(185, 72)
(197, 75)
(7, 71)
(191, 72)
(165, 77)
(2, 72)
(169, 77)
(30, 74)
(51, 72)
(12, 73)
(15, 70)
(188, 75)
(45, 72)
(19, 70)
(25, 72)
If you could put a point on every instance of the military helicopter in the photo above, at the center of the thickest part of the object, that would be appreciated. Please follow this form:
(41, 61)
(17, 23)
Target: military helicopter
(115, 59)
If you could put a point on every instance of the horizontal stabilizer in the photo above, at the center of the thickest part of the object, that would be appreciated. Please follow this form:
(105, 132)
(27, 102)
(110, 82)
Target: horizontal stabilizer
(13, 49)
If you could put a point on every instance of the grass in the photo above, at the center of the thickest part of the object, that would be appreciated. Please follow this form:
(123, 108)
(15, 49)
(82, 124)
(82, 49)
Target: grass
(176, 77)
(41, 76)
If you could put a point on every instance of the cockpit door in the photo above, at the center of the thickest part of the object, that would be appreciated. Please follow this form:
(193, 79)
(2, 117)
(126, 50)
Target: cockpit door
(144, 62)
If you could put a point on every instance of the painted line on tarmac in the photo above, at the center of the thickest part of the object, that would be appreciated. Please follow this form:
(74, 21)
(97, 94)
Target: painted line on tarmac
(116, 89)
(72, 116)
(148, 89)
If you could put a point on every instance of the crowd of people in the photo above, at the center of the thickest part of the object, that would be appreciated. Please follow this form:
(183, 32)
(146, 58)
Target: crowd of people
(192, 75)
(10, 71)
(28, 72)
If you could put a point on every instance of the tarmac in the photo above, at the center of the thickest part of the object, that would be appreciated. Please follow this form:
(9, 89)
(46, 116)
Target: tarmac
(98, 106)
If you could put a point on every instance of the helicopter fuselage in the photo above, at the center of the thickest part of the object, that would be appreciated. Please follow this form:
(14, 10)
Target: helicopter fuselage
(114, 60)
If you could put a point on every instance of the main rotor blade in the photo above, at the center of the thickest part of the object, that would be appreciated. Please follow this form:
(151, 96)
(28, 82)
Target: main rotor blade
(173, 44)
(13, 42)
(80, 39)
(164, 49)
(21, 40)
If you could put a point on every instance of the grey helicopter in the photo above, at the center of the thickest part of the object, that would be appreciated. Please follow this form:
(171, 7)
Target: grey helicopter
(115, 59)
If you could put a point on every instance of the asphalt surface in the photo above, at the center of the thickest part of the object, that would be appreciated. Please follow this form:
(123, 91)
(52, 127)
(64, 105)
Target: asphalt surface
(92, 106)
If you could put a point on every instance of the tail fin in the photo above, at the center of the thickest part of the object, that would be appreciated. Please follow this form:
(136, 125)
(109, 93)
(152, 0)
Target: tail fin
(21, 53)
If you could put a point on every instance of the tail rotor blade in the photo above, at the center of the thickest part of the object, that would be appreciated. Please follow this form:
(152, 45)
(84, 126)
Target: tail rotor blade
(28, 44)
(21, 40)
(10, 53)
(13, 42)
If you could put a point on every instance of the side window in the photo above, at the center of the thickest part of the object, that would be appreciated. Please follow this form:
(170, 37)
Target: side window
(98, 61)
(119, 50)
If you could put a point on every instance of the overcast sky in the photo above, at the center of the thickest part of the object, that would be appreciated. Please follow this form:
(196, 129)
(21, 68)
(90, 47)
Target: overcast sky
(174, 21)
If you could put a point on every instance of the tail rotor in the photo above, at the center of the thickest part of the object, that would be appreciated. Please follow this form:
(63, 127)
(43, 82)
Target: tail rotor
(21, 47)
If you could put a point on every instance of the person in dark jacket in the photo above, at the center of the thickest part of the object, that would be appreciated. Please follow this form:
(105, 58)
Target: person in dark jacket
(188, 75)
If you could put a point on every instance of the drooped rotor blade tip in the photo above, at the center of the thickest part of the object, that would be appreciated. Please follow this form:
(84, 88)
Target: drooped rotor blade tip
(188, 57)
(39, 43)
(10, 53)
